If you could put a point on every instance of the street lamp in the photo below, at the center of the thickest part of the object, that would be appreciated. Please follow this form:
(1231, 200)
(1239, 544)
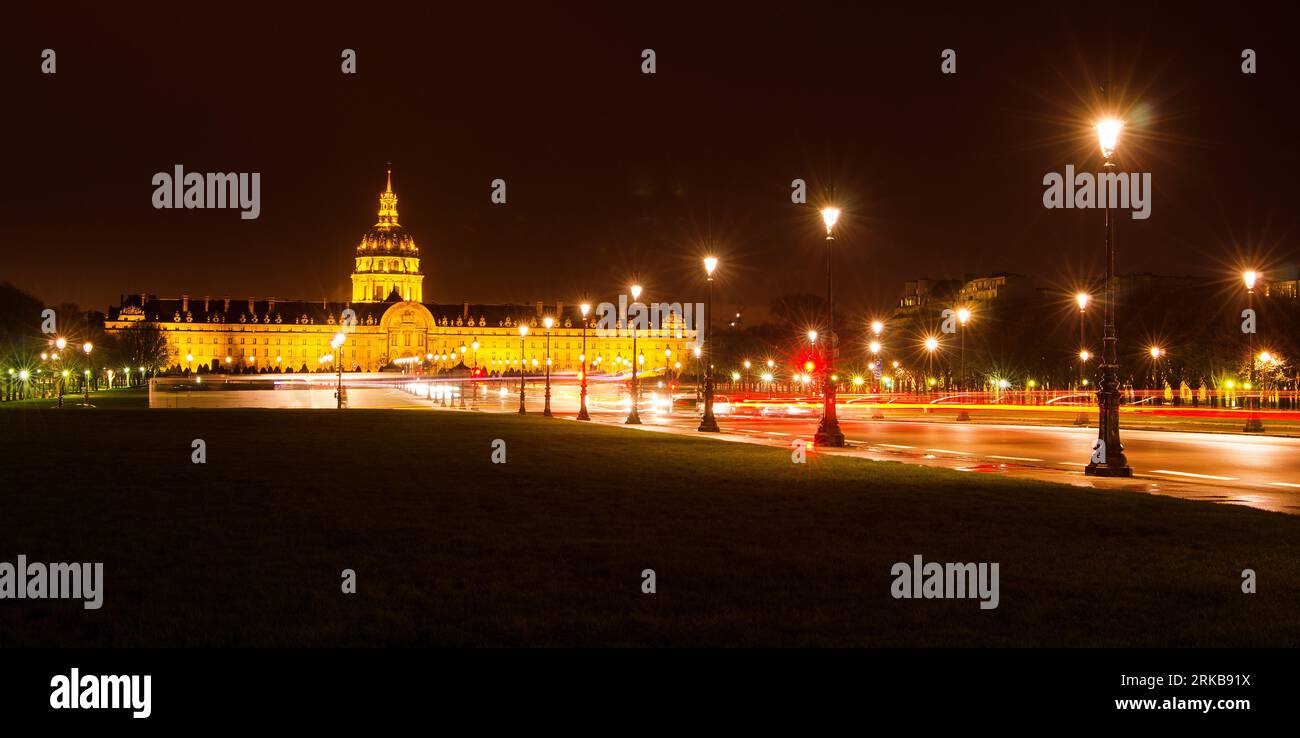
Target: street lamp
(708, 423)
(828, 430)
(668, 377)
(1253, 423)
(584, 308)
(547, 322)
(963, 317)
(337, 345)
(633, 417)
(86, 347)
(1082, 299)
(1108, 459)
(523, 335)
(931, 345)
(1156, 352)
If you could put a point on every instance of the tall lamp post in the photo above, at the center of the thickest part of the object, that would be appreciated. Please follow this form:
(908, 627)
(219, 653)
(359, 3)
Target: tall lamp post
(337, 345)
(584, 308)
(931, 345)
(61, 343)
(548, 321)
(828, 430)
(1082, 299)
(87, 347)
(1253, 423)
(1108, 458)
(523, 336)
(708, 423)
(668, 378)
(633, 417)
(963, 317)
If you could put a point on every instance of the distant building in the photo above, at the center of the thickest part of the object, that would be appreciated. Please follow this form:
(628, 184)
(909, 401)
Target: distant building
(999, 285)
(947, 293)
(392, 323)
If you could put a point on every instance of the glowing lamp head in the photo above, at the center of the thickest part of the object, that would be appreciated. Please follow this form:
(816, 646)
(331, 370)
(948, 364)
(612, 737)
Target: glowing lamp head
(931, 344)
(877, 327)
(710, 264)
(60, 343)
(523, 329)
(548, 321)
(963, 315)
(87, 346)
(1084, 355)
(747, 364)
(1265, 356)
(23, 375)
(474, 345)
(584, 308)
(1108, 135)
(829, 217)
(697, 351)
(874, 347)
(636, 292)
(1250, 277)
(735, 376)
(812, 336)
(1082, 299)
(1156, 351)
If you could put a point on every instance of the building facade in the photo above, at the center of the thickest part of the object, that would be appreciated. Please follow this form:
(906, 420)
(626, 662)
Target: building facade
(387, 324)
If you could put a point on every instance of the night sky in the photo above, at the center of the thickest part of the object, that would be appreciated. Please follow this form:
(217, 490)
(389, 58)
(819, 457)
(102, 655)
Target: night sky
(612, 173)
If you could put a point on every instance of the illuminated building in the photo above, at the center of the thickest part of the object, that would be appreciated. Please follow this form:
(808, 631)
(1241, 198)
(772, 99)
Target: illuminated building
(393, 326)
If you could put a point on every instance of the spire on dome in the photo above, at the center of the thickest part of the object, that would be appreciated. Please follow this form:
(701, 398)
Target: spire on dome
(388, 202)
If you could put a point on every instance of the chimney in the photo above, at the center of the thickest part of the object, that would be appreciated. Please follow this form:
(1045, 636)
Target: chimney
(250, 306)
(205, 303)
(226, 307)
(539, 307)
(464, 312)
(144, 297)
(185, 303)
(270, 305)
(559, 311)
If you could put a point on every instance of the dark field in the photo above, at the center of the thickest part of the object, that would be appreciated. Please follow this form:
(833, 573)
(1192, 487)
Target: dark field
(548, 549)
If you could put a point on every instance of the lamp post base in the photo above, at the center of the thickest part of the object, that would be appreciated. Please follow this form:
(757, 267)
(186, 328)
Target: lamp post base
(963, 415)
(633, 418)
(1108, 470)
(708, 424)
(831, 438)
(582, 414)
(1253, 425)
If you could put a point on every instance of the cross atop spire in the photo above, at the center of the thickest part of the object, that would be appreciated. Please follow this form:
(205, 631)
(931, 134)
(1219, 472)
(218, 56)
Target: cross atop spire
(390, 178)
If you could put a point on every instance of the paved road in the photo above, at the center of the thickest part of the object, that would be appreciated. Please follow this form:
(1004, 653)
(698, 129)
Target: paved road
(1260, 471)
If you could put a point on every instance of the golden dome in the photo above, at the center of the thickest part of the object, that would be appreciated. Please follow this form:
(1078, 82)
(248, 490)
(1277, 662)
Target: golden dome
(387, 237)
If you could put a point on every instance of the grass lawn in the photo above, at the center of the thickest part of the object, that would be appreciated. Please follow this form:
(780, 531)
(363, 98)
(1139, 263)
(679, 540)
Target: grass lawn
(547, 549)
